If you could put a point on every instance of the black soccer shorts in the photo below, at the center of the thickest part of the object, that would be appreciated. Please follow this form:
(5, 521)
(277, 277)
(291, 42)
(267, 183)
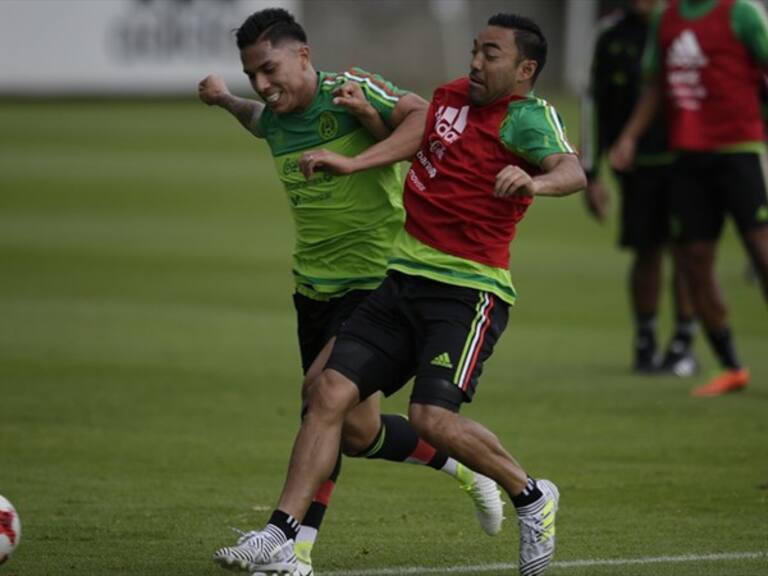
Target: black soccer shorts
(319, 320)
(413, 326)
(645, 207)
(707, 186)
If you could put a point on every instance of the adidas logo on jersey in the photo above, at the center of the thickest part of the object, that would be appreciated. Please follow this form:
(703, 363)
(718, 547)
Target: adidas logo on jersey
(685, 52)
(451, 122)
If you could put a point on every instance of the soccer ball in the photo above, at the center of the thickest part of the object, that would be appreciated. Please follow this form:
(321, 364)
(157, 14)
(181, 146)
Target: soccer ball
(10, 529)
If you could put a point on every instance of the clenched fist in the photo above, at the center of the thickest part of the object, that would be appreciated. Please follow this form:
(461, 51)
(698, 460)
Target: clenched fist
(213, 90)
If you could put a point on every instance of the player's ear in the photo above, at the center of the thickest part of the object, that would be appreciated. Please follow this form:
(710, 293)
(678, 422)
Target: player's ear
(304, 55)
(526, 70)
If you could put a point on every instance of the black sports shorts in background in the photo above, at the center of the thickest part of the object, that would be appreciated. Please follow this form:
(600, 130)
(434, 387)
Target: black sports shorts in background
(645, 205)
(707, 186)
(319, 320)
(410, 326)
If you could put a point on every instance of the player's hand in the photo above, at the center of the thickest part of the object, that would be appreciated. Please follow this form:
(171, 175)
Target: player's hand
(513, 180)
(212, 90)
(597, 199)
(622, 154)
(325, 161)
(351, 96)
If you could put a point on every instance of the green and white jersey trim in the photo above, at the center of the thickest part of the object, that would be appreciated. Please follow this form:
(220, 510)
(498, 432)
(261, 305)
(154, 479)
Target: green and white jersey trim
(534, 130)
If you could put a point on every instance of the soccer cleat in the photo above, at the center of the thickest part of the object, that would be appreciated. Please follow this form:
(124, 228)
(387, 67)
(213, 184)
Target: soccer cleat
(489, 507)
(679, 360)
(646, 358)
(537, 530)
(303, 551)
(264, 552)
(729, 381)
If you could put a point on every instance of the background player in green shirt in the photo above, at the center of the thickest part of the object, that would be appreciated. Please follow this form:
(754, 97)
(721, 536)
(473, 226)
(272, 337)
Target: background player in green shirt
(345, 224)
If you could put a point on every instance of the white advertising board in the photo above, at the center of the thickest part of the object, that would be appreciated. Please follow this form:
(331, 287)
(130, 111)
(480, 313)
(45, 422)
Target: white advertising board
(120, 46)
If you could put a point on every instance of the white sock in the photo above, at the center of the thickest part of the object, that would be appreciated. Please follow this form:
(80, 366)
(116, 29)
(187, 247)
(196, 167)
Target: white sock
(307, 534)
(451, 467)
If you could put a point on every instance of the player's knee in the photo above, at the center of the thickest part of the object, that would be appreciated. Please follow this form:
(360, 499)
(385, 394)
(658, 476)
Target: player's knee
(331, 396)
(306, 385)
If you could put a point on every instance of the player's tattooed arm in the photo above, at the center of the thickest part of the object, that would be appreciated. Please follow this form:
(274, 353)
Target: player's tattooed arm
(213, 91)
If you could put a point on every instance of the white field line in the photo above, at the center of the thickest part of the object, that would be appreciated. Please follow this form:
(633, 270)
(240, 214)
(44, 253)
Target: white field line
(467, 569)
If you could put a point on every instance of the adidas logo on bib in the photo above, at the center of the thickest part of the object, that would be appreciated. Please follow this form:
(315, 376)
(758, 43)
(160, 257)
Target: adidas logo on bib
(685, 52)
(451, 122)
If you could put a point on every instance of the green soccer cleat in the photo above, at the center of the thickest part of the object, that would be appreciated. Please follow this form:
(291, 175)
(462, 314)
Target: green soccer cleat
(537, 530)
(485, 494)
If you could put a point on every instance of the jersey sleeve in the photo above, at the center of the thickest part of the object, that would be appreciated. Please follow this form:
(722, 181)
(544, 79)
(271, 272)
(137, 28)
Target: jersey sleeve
(750, 25)
(652, 55)
(534, 130)
(382, 95)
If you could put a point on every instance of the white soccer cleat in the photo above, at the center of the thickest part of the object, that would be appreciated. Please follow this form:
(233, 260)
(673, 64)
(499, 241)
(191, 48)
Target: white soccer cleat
(485, 494)
(264, 552)
(302, 570)
(537, 530)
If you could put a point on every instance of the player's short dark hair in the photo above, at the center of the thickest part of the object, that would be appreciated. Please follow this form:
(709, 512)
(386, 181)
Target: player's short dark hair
(529, 38)
(273, 24)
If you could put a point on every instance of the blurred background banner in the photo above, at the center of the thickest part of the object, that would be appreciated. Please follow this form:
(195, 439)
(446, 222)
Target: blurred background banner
(119, 46)
(146, 47)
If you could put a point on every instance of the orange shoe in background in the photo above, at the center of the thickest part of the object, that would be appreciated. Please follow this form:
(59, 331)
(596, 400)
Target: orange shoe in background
(727, 382)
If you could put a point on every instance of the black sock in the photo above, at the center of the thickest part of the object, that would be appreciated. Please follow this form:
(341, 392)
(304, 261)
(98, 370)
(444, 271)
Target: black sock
(286, 523)
(645, 334)
(395, 441)
(316, 511)
(722, 344)
(529, 495)
(685, 329)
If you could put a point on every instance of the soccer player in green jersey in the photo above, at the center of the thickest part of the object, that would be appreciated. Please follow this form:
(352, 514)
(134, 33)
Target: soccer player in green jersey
(345, 224)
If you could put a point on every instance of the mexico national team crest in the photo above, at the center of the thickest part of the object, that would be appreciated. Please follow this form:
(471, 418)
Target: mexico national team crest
(328, 126)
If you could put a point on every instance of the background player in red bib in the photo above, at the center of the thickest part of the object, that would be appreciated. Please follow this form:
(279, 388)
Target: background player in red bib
(489, 146)
(704, 60)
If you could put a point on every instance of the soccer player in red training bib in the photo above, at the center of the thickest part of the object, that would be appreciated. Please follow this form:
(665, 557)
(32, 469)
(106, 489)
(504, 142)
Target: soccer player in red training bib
(489, 146)
(705, 59)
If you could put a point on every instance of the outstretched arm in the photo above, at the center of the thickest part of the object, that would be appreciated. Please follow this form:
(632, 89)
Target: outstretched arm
(407, 120)
(562, 175)
(213, 91)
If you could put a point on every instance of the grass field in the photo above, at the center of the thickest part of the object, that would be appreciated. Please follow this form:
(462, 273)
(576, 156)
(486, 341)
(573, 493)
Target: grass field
(149, 375)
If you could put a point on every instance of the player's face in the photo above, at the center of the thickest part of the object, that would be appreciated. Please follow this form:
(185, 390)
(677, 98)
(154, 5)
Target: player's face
(497, 70)
(278, 74)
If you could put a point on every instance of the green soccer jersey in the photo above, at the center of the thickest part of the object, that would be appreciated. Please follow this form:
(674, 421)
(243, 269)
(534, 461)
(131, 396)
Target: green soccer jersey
(345, 225)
